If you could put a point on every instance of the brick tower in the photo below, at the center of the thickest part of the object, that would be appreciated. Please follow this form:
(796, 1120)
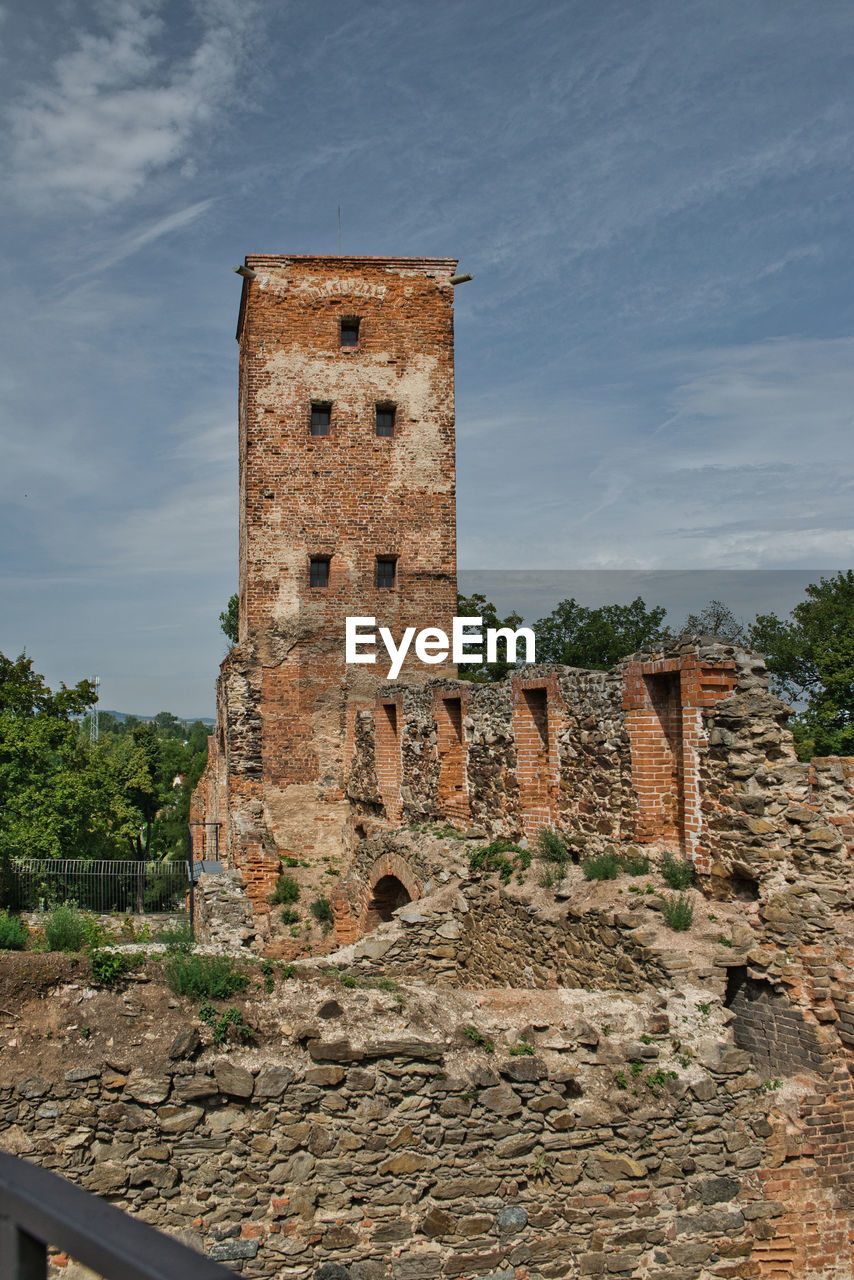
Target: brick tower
(347, 508)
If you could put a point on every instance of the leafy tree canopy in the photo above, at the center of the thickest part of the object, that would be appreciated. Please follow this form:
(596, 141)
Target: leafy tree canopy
(596, 639)
(49, 788)
(62, 796)
(811, 658)
(718, 620)
(477, 606)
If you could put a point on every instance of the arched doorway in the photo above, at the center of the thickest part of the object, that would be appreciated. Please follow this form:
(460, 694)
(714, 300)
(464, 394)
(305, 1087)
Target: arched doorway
(389, 893)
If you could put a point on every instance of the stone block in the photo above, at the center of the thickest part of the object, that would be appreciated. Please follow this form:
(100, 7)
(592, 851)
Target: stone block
(232, 1080)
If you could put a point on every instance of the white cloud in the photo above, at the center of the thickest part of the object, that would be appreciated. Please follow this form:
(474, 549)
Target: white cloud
(117, 110)
(127, 245)
(752, 468)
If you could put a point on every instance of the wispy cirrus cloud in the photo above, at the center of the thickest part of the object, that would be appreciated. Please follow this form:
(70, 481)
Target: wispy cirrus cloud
(748, 467)
(117, 108)
(127, 245)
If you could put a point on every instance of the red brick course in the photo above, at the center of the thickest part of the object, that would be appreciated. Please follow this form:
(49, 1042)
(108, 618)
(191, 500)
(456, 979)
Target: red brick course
(663, 701)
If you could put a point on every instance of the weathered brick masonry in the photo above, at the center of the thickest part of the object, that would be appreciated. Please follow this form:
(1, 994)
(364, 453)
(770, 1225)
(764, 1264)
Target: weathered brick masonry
(346, 443)
(607, 756)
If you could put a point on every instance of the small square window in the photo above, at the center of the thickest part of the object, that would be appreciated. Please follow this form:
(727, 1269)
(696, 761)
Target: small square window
(321, 416)
(319, 571)
(350, 333)
(385, 572)
(385, 419)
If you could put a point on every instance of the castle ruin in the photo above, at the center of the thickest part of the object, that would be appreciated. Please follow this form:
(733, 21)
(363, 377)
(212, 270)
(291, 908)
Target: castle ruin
(347, 507)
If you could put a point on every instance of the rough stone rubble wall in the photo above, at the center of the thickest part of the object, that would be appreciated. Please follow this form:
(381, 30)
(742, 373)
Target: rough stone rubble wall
(376, 1157)
(598, 754)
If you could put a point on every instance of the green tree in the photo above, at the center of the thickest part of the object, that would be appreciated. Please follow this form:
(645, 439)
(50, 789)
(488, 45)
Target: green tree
(811, 659)
(477, 606)
(596, 639)
(718, 620)
(140, 759)
(51, 785)
(60, 796)
(229, 621)
(180, 773)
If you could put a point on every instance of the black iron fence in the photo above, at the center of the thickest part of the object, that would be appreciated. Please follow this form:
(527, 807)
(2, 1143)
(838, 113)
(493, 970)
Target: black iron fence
(100, 886)
(39, 1208)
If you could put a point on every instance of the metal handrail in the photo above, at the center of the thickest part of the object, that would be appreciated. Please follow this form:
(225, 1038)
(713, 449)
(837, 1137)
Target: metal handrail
(38, 1208)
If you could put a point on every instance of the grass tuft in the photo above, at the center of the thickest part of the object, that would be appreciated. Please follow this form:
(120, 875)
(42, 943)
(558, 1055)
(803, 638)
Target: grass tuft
(678, 912)
(286, 890)
(678, 872)
(65, 929)
(604, 866)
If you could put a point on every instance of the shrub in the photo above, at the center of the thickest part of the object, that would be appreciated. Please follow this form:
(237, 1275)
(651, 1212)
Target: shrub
(65, 929)
(678, 912)
(634, 864)
(321, 909)
(211, 977)
(108, 967)
(678, 872)
(286, 890)
(94, 932)
(606, 866)
(289, 916)
(494, 857)
(552, 847)
(221, 1024)
(13, 932)
(177, 937)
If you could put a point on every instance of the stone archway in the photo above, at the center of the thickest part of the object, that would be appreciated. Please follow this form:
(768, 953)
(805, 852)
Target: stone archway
(389, 894)
(390, 885)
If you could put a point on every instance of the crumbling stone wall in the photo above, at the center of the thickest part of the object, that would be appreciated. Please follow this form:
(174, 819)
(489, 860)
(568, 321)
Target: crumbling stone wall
(606, 756)
(489, 938)
(582, 781)
(392, 1158)
(223, 912)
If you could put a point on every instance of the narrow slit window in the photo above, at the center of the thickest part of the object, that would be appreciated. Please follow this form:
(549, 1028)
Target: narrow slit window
(321, 416)
(350, 332)
(385, 572)
(385, 419)
(319, 571)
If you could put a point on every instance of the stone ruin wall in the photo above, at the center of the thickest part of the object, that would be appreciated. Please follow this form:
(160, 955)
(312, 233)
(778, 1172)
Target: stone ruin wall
(687, 750)
(579, 779)
(765, 830)
(713, 774)
(607, 757)
(406, 1157)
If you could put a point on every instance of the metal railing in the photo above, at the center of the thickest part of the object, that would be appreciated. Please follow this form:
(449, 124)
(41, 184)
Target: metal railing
(99, 886)
(39, 1208)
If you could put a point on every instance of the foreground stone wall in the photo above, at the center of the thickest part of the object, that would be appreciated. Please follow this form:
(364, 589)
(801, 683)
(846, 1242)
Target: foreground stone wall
(395, 1159)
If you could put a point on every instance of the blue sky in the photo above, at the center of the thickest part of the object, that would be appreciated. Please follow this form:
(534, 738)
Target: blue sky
(654, 361)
